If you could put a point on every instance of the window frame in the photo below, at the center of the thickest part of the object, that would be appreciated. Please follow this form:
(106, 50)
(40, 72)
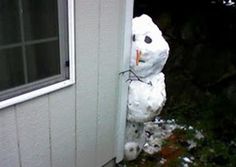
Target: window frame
(59, 85)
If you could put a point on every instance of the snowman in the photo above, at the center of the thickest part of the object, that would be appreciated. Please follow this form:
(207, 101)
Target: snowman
(147, 94)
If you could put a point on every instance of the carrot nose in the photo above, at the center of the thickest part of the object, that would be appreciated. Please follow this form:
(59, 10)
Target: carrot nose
(138, 56)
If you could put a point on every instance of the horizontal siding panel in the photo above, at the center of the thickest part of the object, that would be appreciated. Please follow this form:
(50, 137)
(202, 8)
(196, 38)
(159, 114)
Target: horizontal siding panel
(8, 139)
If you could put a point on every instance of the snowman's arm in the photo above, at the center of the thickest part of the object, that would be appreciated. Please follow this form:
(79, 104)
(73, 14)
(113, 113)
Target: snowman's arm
(123, 72)
(138, 78)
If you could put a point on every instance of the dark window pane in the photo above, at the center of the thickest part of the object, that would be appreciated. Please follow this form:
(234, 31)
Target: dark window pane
(43, 60)
(40, 19)
(31, 50)
(11, 68)
(9, 22)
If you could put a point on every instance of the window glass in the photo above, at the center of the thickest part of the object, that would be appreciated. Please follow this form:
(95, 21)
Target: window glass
(40, 19)
(43, 60)
(9, 22)
(32, 54)
(11, 65)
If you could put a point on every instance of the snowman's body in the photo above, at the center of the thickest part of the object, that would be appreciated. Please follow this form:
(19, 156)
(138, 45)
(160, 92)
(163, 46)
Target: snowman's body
(145, 100)
(147, 93)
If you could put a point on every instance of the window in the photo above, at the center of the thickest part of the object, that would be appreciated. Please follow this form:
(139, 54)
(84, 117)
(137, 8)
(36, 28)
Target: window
(34, 45)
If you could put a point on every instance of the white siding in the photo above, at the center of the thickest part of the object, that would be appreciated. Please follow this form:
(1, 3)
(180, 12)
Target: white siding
(62, 128)
(9, 156)
(87, 30)
(74, 126)
(126, 24)
(33, 126)
(108, 79)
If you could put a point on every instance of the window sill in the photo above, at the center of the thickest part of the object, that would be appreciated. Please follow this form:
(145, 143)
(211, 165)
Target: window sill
(36, 93)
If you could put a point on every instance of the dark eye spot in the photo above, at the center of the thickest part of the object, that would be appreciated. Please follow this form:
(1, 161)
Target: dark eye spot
(133, 38)
(131, 149)
(148, 39)
(155, 145)
(138, 148)
(136, 131)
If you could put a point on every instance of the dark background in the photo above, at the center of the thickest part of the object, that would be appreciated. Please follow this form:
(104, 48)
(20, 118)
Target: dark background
(201, 69)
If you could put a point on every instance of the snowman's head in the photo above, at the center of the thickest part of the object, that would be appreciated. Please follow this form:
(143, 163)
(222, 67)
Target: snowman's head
(149, 48)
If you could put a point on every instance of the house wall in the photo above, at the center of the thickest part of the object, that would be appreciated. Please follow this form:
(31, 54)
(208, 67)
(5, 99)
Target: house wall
(75, 126)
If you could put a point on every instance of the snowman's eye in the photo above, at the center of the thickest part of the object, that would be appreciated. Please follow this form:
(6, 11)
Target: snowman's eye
(148, 40)
(133, 38)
